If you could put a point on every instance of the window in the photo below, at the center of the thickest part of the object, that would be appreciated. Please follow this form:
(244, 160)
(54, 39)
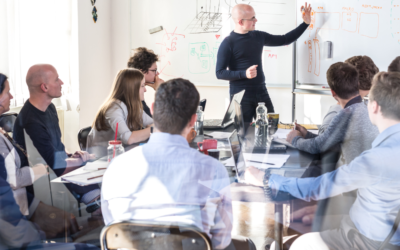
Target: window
(34, 32)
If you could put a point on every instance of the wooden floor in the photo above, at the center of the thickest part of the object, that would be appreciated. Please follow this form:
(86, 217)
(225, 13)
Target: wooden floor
(254, 220)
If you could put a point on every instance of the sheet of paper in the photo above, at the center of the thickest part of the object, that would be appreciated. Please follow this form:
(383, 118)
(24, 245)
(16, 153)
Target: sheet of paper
(283, 141)
(229, 162)
(281, 133)
(97, 165)
(82, 179)
(278, 160)
(220, 135)
(314, 131)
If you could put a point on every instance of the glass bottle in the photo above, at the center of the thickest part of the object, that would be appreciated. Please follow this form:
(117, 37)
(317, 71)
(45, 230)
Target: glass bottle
(261, 128)
(199, 122)
(114, 149)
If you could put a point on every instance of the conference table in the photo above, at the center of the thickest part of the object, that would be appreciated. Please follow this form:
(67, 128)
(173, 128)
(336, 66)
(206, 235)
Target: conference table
(299, 164)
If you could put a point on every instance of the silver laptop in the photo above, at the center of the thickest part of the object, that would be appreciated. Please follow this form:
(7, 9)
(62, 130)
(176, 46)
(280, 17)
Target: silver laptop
(229, 115)
(238, 158)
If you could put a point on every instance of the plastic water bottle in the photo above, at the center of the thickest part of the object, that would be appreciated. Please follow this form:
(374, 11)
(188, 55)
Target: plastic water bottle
(261, 128)
(199, 122)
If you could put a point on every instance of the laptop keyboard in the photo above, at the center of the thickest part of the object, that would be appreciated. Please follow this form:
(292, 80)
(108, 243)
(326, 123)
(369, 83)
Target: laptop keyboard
(212, 122)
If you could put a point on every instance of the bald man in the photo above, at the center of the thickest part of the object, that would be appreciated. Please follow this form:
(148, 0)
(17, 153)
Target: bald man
(239, 57)
(38, 117)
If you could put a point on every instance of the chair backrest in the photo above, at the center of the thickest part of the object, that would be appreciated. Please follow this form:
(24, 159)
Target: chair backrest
(82, 137)
(7, 121)
(150, 235)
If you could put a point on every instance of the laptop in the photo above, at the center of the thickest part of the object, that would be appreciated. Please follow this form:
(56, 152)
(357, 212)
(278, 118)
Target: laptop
(238, 158)
(229, 115)
(202, 103)
(238, 120)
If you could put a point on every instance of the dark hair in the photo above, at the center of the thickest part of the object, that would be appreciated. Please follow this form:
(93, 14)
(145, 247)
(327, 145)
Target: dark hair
(142, 59)
(175, 103)
(3, 79)
(386, 91)
(366, 70)
(343, 79)
(394, 65)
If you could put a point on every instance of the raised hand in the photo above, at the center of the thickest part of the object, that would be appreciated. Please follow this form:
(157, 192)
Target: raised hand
(251, 72)
(306, 13)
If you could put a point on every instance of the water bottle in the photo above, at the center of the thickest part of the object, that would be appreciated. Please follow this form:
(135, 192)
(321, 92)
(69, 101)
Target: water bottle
(199, 122)
(261, 128)
(114, 149)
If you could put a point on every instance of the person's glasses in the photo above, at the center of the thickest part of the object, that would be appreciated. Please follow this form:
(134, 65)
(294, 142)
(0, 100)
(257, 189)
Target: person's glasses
(154, 70)
(251, 20)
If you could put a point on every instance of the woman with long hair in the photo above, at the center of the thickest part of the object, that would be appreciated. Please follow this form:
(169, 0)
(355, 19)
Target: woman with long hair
(123, 107)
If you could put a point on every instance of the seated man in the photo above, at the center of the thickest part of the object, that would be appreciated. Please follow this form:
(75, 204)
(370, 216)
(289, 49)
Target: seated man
(38, 118)
(145, 60)
(351, 128)
(394, 65)
(375, 174)
(366, 70)
(167, 181)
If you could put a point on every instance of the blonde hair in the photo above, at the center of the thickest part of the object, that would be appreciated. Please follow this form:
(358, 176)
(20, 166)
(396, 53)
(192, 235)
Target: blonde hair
(126, 88)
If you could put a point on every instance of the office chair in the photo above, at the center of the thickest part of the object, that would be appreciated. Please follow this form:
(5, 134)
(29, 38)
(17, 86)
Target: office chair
(82, 137)
(151, 235)
(7, 121)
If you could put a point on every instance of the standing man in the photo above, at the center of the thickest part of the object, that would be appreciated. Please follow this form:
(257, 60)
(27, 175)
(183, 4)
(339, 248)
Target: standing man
(239, 57)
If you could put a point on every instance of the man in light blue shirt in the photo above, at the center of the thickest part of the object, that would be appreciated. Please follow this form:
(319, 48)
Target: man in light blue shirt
(375, 173)
(167, 181)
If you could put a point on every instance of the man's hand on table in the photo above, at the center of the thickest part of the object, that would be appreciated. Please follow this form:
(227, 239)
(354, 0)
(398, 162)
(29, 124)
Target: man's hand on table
(84, 156)
(292, 135)
(306, 214)
(254, 176)
(303, 131)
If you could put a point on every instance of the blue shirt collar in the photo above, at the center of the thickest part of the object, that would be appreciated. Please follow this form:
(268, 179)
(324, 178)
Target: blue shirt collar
(167, 139)
(386, 134)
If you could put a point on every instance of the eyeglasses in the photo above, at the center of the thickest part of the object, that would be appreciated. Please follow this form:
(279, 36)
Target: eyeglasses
(251, 20)
(154, 70)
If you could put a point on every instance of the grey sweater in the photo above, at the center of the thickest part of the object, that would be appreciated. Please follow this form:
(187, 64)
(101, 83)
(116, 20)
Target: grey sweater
(350, 128)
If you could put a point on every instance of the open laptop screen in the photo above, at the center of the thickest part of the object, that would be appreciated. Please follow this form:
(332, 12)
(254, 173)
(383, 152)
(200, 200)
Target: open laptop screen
(239, 121)
(230, 112)
(237, 153)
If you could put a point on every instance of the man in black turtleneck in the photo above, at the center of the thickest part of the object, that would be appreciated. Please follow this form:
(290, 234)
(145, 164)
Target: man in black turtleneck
(239, 57)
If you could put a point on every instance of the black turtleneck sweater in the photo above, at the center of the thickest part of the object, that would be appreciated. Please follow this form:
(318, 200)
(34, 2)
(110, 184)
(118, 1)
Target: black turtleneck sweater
(240, 51)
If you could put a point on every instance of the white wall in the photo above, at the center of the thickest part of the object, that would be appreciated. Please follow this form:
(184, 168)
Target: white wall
(310, 108)
(95, 77)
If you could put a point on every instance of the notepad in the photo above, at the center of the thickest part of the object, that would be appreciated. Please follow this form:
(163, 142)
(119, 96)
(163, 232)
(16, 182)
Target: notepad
(220, 135)
(84, 178)
(277, 159)
(97, 165)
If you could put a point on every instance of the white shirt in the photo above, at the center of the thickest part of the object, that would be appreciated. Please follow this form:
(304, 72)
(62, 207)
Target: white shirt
(167, 181)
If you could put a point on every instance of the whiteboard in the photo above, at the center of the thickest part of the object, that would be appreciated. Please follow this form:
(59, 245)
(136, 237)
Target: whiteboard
(194, 29)
(369, 27)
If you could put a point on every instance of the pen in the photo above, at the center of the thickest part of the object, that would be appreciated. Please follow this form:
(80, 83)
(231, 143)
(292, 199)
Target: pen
(209, 135)
(261, 162)
(94, 177)
(294, 124)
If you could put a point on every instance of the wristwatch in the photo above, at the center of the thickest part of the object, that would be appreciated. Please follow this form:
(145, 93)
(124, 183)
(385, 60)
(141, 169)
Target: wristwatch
(267, 190)
(90, 208)
(151, 129)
